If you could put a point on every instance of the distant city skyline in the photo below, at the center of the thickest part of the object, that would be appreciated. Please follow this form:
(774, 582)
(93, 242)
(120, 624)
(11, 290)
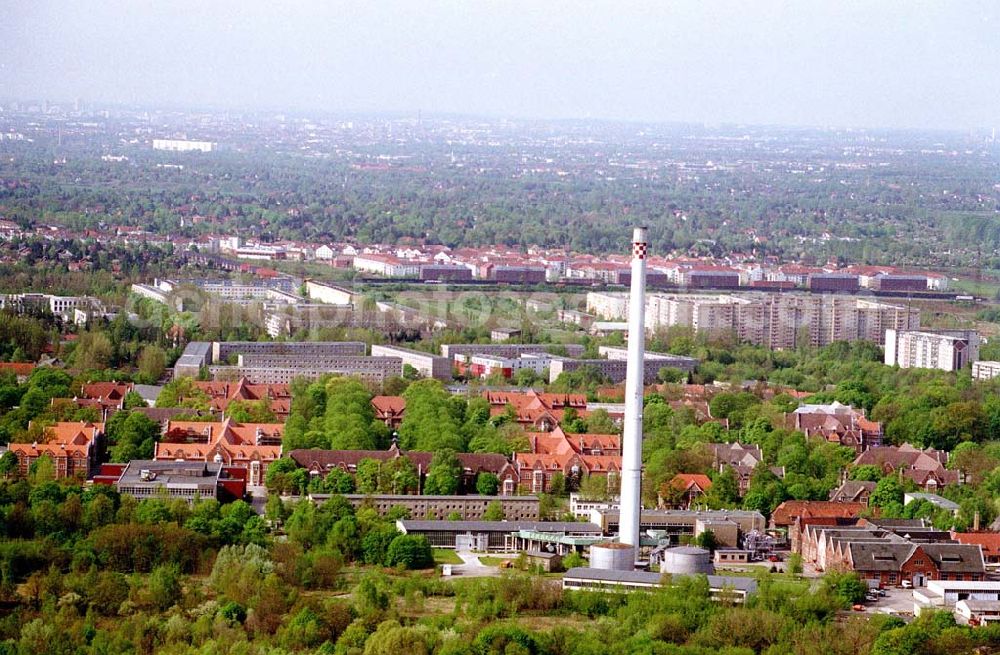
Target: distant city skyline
(838, 64)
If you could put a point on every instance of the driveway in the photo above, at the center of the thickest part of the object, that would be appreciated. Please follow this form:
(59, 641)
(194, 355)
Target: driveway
(471, 567)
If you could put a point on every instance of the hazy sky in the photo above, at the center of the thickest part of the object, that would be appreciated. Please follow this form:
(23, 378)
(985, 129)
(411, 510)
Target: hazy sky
(866, 63)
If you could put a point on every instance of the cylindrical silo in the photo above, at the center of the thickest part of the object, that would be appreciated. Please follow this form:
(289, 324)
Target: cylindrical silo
(687, 560)
(612, 556)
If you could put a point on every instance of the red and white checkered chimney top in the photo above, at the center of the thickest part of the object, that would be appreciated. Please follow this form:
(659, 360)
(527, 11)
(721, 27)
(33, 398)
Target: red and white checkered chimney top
(639, 246)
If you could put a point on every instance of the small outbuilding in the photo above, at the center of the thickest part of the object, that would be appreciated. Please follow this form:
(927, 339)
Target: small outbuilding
(547, 562)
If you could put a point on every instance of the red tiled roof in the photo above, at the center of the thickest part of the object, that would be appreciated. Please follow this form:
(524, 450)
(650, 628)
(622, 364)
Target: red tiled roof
(60, 439)
(231, 441)
(389, 405)
(788, 511)
(684, 481)
(17, 368)
(989, 541)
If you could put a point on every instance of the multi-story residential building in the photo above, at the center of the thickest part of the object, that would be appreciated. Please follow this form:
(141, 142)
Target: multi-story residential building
(328, 293)
(609, 306)
(427, 364)
(781, 321)
(483, 366)
(615, 366)
(575, 317)
(985, 370)
(946, 350)
(182, 145)
(249, 446)
(61, 306)
(450, 350)
(74, 447)
(281, 362)
(280, 370)
(661, 360)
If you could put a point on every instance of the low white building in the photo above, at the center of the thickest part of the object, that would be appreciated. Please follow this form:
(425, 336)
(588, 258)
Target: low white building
(386, 266)
(985, 370)
(581, 507)
(977, 612)
(946, 594)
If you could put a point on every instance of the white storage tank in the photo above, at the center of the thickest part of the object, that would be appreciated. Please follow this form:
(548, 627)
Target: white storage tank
(612, 556)
(687, 560)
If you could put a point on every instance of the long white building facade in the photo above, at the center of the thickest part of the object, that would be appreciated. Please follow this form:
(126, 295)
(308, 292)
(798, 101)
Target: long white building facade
(946, 350)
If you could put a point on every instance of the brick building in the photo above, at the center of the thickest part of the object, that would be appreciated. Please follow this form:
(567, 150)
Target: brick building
(574, 456)
(681, 491)
(75, 449)
(250, 446)
(221, 394)
(837, 423)
(389, 409)
(927, 468)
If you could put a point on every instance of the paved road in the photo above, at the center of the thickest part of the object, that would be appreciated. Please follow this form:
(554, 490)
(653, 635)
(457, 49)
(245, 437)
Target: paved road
(471, 567)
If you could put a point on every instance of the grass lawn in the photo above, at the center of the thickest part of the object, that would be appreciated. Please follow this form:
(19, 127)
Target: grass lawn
(489, 560)
(446, 556)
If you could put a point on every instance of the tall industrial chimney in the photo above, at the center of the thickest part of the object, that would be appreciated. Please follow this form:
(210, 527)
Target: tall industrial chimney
(631, 503)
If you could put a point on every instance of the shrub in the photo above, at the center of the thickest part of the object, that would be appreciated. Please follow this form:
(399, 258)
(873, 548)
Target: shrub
(411, 552)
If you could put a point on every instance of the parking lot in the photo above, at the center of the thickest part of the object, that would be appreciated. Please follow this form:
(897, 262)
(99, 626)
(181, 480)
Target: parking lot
(896, 601)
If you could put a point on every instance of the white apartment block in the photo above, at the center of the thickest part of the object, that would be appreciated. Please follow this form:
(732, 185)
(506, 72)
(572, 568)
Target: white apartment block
(329, 294)
(427, 364)
(985, 370)
(946, 350)
(385, 266)
(609, 306)
(182, 145)
(781, 321)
